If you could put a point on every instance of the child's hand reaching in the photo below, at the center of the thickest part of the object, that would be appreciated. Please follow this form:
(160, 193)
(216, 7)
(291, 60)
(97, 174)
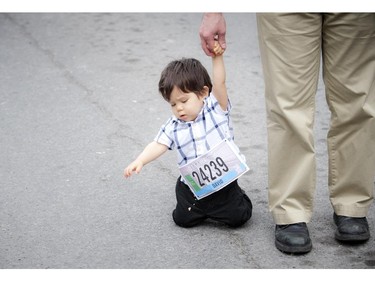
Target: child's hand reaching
(136, 166)
(152, 151)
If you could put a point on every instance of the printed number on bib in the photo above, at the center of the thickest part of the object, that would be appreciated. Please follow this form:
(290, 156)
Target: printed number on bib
(213, 170)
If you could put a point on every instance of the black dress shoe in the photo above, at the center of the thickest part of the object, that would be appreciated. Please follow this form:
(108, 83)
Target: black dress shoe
(351, 229)
(293, 238)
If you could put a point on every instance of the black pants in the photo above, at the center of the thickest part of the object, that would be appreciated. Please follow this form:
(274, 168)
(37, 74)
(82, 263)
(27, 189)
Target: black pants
(229, 205)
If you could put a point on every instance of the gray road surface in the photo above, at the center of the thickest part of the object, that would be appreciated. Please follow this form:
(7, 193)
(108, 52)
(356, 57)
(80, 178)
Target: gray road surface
(79, 100)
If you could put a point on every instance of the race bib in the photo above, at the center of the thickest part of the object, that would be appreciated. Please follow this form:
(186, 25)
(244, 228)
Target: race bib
(214, 170)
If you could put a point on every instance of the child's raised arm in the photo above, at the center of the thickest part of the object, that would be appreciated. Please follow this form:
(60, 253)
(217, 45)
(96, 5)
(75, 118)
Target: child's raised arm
(151, 152)
(219, 88)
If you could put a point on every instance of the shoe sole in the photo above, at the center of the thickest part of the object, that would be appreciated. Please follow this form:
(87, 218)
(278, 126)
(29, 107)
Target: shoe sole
(293, 250)
(351, 238)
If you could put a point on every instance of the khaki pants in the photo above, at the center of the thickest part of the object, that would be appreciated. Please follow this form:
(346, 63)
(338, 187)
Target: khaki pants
(291, 46)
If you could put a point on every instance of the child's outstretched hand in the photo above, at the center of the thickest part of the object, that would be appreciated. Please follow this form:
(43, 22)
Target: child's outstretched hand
(136, 166)
(217, 49)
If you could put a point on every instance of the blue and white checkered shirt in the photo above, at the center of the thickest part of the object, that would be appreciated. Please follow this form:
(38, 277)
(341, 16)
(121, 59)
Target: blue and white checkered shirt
(193, 139)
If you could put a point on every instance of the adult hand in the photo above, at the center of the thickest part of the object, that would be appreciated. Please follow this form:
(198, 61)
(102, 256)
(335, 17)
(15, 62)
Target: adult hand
(213, 27)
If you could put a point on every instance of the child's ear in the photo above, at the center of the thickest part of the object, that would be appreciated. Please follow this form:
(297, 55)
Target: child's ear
(205, 91)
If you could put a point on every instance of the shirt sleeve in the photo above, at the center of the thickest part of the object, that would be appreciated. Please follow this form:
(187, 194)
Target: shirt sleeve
(165, 134)
(214, 105)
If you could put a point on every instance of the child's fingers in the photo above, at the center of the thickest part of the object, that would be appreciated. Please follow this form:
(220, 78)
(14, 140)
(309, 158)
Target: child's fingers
(218, 50)
(128, 171)
(132, 168)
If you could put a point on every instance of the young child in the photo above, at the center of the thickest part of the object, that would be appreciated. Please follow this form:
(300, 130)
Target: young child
(200, 121)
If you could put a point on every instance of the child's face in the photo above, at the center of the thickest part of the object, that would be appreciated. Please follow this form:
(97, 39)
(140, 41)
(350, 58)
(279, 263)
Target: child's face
(186, 106)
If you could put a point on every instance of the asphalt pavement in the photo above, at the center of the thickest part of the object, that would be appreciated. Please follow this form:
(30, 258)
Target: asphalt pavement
(79, 100)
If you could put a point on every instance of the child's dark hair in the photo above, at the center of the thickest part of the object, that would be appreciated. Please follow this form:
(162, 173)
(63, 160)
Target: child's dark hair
(187, 74)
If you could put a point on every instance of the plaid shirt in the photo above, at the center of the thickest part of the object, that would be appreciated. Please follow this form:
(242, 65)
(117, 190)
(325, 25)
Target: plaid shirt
(193, 139)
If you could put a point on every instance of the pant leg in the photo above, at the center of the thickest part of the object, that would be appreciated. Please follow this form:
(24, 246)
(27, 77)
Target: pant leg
(349, 74)
(230, 205)
(187, 212)
(290, 47)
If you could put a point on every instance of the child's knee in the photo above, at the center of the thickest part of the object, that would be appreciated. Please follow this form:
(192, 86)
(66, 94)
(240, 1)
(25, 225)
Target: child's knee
(186, 221)
(241, 217)
(239, 222)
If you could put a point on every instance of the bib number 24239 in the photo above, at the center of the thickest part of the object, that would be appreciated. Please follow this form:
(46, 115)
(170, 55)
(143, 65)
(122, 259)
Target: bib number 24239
(213, 170)
(210, 171)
